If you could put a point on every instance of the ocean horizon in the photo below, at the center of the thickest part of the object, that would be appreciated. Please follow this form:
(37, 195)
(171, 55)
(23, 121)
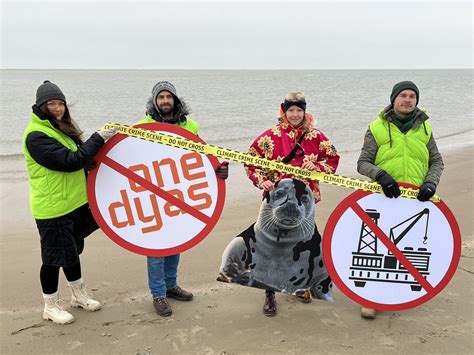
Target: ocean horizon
(234, 106)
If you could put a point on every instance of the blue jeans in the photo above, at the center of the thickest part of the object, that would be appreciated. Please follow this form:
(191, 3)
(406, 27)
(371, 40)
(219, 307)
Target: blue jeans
(162, 273)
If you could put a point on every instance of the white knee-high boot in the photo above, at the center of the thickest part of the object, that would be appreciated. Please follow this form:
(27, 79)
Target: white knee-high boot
(53, 311)
(80, 297)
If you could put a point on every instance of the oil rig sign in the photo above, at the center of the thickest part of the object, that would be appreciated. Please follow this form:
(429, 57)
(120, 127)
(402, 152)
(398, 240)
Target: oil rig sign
(391, 254)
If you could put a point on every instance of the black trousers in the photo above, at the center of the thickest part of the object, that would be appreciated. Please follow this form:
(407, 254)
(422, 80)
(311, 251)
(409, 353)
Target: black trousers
(62, 241)
(62, 238)
(49, 276)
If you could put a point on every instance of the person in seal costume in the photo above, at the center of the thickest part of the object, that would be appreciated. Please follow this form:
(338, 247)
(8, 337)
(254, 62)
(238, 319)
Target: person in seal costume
(282, 250)
(295, 141)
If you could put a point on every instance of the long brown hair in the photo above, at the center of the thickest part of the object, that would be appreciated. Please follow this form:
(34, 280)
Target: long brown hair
(66, 125)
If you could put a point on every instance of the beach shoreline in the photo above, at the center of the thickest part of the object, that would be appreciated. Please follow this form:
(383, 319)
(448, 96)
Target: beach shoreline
(224, 319)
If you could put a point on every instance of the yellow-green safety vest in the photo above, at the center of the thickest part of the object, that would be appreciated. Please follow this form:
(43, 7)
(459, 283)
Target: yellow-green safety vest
(189, 124)
(407, 160)
(53, 193)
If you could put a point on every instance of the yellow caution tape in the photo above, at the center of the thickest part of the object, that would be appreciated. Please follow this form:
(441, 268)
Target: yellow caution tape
(229, 154)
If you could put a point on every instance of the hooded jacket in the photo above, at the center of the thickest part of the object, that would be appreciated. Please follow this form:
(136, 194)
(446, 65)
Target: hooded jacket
(179, 114)
(412, 157)
(180, 111)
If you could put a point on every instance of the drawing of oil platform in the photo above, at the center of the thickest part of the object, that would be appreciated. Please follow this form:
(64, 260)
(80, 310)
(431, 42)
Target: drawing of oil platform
(369, 266)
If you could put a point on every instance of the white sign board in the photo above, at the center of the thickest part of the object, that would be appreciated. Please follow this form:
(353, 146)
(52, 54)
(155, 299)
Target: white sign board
(154, 199)
(391, 254)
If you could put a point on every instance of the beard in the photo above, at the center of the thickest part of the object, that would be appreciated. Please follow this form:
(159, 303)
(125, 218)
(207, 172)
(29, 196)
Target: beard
(165, 109)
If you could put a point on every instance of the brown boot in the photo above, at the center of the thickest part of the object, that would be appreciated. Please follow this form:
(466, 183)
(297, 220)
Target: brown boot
(304, 296)
(368, 313)
(270, 308)
(162, 307)
(179, 294)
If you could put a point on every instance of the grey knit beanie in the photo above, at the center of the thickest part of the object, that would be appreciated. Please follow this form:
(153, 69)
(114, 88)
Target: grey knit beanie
(164, 86)
(404, 85)
(48, 91)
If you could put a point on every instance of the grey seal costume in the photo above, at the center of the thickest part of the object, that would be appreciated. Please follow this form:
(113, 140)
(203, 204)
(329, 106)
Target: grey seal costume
(282, 250)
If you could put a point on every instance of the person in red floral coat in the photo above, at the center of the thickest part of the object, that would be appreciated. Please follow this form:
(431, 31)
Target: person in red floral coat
(295, 141)
(314, 151)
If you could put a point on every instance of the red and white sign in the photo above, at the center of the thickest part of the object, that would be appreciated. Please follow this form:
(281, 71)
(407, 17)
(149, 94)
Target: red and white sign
(154, 199)
(391, 254)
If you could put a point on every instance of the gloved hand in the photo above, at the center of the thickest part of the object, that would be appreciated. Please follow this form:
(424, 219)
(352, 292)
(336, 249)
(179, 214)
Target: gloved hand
(106, 134)
(222, 170)
(389, 185)
(427, 190)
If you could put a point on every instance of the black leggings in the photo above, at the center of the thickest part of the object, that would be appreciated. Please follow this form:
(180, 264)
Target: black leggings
(49, 276)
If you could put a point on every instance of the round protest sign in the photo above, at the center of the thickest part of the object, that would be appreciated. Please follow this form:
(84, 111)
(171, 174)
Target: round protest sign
(391, 254)
(155, 199)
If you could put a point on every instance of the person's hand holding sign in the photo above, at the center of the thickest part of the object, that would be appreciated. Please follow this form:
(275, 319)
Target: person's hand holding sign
(309, 165)
(222, 170)
(108, 133)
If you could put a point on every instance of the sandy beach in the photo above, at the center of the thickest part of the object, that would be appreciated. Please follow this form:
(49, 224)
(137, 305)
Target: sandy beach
(223, 319)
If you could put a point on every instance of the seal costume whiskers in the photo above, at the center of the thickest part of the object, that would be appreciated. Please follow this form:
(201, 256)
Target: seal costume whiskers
(282, 250)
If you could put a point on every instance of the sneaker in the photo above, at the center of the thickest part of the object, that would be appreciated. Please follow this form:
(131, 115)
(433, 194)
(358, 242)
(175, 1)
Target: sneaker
(162, 307)
(368, 313)
(179, 294)
(269, 307)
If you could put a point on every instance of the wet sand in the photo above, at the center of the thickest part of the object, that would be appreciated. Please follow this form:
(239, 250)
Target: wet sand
(223, 318)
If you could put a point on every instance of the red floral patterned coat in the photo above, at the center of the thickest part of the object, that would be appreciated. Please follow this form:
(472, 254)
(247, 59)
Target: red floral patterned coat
(277, 143)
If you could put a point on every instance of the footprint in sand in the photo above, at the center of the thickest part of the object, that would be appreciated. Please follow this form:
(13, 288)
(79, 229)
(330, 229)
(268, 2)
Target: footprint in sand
(74, 344)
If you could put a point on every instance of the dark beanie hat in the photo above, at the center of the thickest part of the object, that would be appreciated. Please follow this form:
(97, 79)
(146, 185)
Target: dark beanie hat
(404, 85)
(164, 86)
(48, 91)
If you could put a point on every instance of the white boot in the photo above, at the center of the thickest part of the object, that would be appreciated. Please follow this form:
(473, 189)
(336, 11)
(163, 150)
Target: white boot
(53, 311)
(80, 297)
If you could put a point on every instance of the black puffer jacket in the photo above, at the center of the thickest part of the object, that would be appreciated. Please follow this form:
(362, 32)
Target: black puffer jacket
(53, 155)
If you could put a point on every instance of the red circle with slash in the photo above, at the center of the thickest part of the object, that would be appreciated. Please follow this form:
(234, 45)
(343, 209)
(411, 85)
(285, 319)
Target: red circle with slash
(351, 203)
(103, 158)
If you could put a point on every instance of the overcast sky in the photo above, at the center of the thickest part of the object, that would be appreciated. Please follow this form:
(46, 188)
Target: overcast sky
(236, 34)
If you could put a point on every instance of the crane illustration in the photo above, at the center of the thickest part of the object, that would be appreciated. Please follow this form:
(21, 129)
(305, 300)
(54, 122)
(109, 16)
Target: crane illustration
(368, 265)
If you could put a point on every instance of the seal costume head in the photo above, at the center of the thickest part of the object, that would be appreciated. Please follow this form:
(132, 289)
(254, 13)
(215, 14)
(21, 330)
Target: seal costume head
(282, 250)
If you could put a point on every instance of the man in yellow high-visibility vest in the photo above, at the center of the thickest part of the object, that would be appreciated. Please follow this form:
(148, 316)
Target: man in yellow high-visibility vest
(399, 146)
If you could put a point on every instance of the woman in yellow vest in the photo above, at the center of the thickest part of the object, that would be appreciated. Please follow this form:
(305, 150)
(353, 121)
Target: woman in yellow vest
(399, 146)
(56, 158)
